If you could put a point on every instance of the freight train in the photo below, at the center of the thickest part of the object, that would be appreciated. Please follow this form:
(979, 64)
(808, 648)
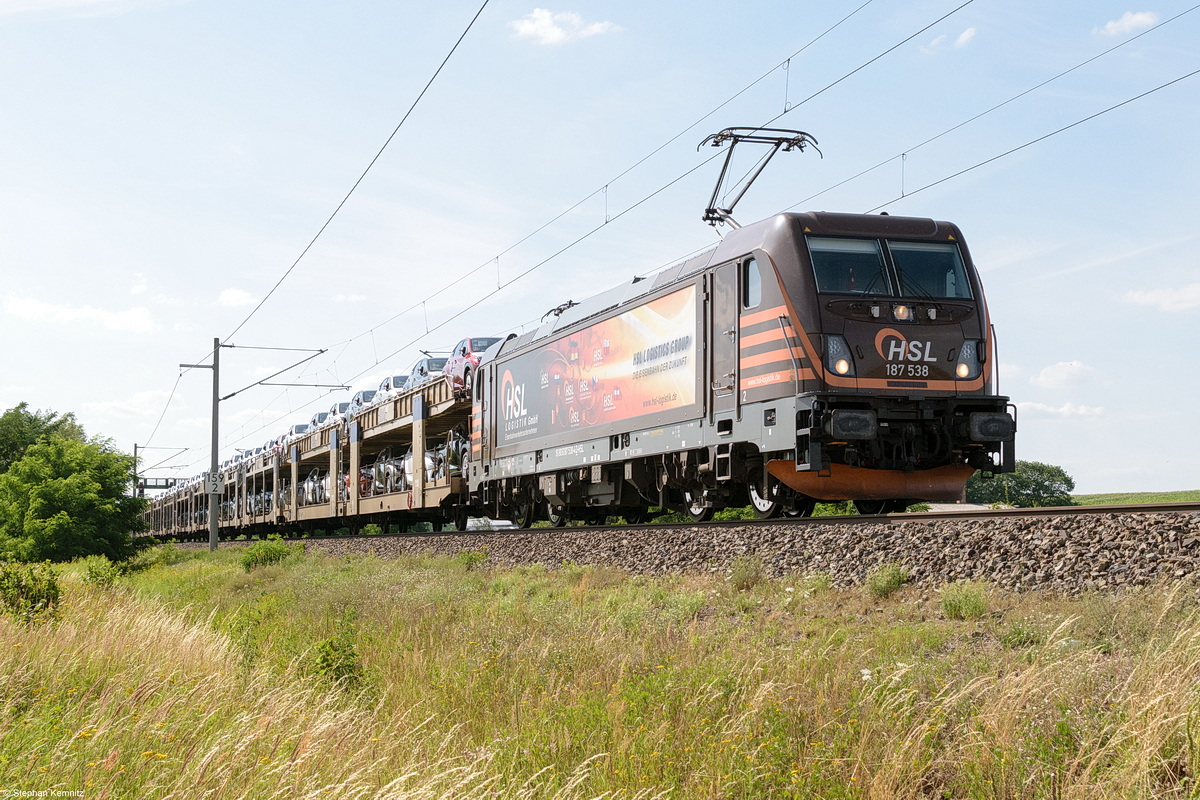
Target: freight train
(808, 357)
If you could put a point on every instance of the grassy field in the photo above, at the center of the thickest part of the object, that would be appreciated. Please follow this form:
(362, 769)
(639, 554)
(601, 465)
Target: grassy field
(446, 677)
(1126, 498)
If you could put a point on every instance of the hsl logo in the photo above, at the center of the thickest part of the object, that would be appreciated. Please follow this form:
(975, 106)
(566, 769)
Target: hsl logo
(512, 396)
(900, 349)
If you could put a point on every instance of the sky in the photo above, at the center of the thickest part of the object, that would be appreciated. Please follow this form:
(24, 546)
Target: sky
(170, 172)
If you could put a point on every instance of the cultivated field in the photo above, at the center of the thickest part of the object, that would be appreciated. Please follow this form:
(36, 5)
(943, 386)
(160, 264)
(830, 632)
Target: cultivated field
(443, 677)
(1129, 498)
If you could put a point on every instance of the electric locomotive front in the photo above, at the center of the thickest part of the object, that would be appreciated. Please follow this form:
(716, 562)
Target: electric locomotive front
(895, 396)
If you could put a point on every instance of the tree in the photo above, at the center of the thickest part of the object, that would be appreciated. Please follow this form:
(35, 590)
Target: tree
(20, 428)
(1033, 485)
(64, 499)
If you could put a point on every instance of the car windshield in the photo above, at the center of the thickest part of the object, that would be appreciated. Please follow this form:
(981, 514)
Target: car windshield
(437, 364)
(478, 345)
(891, 269)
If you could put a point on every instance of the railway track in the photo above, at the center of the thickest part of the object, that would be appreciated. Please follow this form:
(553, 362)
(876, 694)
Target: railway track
(1068, 550)
(803, 522)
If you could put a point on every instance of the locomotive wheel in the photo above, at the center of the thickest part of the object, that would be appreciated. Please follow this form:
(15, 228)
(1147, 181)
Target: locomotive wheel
(764, 499)
(880, 506)
(800, 506)
(693, 503)
(459, 518)
(522, 512)
(638, 516)
(557, 515)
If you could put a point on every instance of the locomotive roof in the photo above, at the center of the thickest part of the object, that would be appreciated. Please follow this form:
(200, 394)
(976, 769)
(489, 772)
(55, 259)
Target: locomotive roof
(767, 235)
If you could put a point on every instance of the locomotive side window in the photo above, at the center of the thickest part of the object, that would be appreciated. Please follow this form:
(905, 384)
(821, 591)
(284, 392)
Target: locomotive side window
(849, 266)
(751, 284)
(930, 269)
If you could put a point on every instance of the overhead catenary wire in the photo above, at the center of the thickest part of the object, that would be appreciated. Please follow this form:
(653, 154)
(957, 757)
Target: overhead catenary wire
(1032, 142)
(167, 405)
(361, 177)
(489, 262)
(356, 184)
(876, 208)
(995, 107)
(422, 303)
(605, 187)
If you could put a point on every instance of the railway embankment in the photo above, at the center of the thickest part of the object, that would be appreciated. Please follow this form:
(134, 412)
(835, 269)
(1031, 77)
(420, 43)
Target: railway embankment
(1069, 554)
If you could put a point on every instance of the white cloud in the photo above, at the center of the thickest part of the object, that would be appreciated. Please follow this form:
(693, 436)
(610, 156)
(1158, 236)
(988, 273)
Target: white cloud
(236, 297)
(548, 27)
(80, 8)
(1128, 23)
(1065, 410)
(139, 284)
(349, 298)
(133, 320)
(932, 47)
(1167, 299)
(1063, 375)
(961, 40)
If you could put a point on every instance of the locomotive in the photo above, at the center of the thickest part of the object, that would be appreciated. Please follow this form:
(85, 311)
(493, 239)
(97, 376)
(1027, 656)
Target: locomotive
(809, 356)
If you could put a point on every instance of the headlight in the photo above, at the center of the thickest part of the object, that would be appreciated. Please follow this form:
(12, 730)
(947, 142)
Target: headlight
(838, 358)
(969, 361)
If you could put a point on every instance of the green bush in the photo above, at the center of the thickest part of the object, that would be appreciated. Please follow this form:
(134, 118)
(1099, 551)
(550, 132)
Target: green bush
(964, 600)
(841, 509)
(272, 551)
(29, 591)
(1032, 485)
(336, 659)
(746, 572)
(469, 559)
(66, 499)
(100, 571)
(885, 579)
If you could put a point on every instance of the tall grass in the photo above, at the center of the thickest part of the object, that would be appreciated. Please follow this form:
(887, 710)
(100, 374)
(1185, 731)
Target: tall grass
(199, 678)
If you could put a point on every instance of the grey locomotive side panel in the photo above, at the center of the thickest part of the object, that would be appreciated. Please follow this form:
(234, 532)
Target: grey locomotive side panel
(639, 366)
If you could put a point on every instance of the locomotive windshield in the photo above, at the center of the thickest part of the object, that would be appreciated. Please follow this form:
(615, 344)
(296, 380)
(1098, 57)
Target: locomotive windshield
(888, 268)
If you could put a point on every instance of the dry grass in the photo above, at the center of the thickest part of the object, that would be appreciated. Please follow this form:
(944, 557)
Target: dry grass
(123, 699)
(587, 682)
